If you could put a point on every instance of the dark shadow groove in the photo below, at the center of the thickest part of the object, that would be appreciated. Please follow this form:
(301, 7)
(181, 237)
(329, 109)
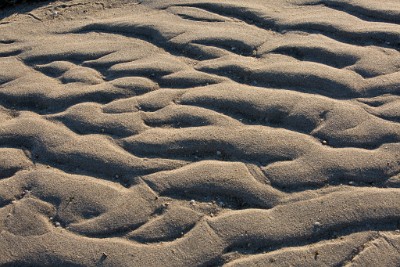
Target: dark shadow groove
(252, 18)
(44, 105)
(362, 13)
(317, 55)
(390, 223)
(279, 81)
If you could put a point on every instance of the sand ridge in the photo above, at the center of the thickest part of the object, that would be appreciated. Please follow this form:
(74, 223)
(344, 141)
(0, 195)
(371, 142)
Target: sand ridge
(200, 133)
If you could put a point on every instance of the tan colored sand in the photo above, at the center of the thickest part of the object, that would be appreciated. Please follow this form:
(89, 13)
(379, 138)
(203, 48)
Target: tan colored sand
(200, 133)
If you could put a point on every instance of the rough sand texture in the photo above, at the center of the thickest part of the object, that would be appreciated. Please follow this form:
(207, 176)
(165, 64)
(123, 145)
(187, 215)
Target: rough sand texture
(200, 133)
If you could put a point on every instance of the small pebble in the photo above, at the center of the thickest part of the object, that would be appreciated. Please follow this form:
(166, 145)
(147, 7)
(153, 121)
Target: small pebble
(57, 224)
(316, 255)
(324, 142)
(192, 202)
(351, 183)
(317, 224)
(103, 256)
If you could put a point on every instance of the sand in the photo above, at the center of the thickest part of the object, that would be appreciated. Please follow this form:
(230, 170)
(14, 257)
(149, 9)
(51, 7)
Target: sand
(200, 133)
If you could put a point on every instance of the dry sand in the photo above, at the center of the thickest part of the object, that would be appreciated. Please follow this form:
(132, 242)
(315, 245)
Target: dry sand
(200, 133)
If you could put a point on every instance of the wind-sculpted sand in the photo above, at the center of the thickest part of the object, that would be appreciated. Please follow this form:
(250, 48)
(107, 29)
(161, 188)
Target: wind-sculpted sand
(200, 133)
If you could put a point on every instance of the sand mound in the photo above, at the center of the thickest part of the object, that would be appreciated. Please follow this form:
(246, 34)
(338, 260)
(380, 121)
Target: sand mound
(200, 133)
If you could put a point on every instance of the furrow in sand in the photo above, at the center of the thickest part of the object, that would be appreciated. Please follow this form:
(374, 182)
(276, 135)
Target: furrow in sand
(262, 17)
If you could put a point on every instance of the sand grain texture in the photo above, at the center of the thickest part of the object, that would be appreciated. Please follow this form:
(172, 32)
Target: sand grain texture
(200, 133)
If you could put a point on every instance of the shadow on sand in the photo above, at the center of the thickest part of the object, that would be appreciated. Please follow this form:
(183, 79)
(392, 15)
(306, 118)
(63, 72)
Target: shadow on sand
(11, 7)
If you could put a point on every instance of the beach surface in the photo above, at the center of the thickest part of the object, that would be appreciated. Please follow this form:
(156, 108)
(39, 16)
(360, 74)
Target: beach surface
(200, 133)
